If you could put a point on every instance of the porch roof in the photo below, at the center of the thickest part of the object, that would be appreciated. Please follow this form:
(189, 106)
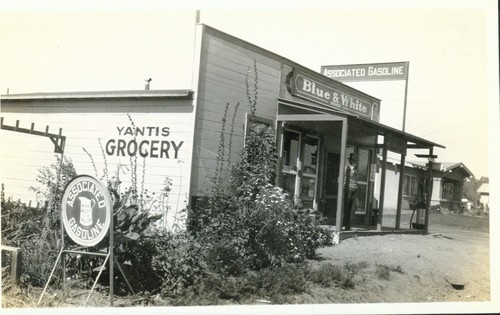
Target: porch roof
(412, 141)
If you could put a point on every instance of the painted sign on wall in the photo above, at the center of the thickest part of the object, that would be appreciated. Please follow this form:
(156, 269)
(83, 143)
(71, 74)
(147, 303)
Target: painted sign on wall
(324, 93)
(367, 72)
(86, 208)
(132, 143)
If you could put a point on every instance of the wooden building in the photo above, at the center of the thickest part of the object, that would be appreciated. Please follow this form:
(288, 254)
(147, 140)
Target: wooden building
(176, 134)
(447, 184)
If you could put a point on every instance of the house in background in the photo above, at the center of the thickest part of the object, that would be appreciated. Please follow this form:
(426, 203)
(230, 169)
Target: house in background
(484, 197)
(415, 176)
(447, 184)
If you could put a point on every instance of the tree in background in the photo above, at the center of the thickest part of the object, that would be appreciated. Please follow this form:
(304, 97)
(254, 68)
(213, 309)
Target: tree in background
(471, 186)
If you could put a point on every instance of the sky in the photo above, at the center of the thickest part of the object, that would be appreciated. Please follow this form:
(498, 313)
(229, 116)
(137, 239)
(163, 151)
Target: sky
(451, 46)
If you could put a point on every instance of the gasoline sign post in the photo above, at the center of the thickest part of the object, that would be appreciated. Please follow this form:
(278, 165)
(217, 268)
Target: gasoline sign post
(86, 217)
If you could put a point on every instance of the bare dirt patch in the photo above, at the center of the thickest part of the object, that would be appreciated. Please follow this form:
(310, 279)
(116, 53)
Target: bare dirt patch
(431, 267)
(427, 267)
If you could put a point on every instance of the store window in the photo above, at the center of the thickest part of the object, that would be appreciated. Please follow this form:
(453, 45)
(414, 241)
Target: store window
(311, 146)
(410, 186)
(448, 190)
(260, 124)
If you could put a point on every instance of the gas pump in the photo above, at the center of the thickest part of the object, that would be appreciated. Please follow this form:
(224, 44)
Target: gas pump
(418, 207)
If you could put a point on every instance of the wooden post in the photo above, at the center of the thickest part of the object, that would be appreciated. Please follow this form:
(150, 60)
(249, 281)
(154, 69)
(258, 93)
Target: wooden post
(340, 189)
(16, 262)
(429, 192)
(400, 192)
(382, 187)
(406, 94)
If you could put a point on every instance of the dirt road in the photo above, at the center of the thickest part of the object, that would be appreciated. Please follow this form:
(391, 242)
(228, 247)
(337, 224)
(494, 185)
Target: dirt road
(430, 264)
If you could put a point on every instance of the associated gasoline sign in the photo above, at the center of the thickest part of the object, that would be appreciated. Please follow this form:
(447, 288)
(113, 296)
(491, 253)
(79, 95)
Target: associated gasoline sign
(86, 210)
(367, 72)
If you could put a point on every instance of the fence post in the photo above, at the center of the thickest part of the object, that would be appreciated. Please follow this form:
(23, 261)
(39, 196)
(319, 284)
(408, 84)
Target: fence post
(15, 264)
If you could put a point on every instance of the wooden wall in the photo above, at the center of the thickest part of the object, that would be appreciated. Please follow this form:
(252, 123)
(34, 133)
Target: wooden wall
(230, 72)
(84, 122)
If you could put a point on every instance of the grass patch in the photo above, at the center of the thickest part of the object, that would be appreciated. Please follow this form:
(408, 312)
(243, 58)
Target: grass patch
(460, 222)
(384, 271)
(278, 285)
(329, 275)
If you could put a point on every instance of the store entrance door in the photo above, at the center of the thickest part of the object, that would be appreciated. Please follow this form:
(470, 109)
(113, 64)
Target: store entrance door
(300, 152)
(312, 151)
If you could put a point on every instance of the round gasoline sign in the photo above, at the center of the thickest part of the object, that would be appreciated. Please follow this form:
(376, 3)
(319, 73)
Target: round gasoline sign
(86, 210)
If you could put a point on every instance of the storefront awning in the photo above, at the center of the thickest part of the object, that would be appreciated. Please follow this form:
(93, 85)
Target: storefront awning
(412, 141)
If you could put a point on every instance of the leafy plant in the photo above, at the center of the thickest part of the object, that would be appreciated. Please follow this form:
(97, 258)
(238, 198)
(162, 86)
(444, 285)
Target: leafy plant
(135, 239)
(53, 179)
(178, 261)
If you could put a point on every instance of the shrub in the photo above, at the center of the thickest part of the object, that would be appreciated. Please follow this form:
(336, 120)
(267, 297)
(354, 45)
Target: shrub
(286, 235)
(254, 224)
(179, 262)
(225, 256)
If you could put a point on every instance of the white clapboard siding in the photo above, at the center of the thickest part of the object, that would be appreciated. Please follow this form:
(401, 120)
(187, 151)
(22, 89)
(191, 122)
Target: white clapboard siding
(225, 67)
(22, 155)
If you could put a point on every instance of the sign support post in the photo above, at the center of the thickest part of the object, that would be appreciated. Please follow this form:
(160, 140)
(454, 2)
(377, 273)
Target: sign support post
(406, 93)
(111, 259)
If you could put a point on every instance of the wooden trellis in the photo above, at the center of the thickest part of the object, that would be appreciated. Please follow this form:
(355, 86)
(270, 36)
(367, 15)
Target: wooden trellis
(57, 139)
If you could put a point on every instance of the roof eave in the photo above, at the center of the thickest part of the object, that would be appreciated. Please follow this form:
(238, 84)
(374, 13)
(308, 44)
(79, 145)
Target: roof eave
(140, 94)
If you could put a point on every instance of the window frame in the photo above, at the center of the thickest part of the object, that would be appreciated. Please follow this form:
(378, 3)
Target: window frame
(410, 185)
(260, 120)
